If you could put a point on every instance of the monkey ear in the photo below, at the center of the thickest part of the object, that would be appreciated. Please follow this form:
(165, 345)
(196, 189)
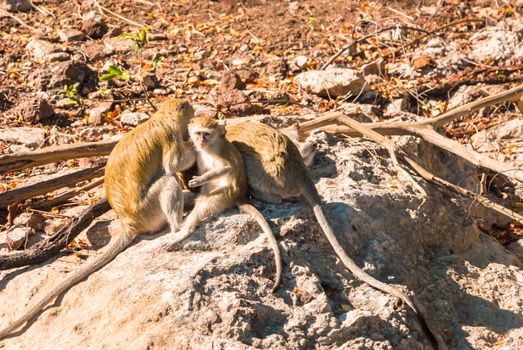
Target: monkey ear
(221, 130)
(182, 105)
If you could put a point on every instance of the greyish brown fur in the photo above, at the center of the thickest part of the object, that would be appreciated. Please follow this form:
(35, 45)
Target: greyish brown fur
(276, 171)
(223, 183)
(141, 187)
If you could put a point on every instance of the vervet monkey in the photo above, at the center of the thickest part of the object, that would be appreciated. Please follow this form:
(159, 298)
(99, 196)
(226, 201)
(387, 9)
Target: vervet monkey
(276, 171)
(223, 183)
(141, 187)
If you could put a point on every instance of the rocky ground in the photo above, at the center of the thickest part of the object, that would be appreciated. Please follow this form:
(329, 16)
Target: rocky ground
(70, 74)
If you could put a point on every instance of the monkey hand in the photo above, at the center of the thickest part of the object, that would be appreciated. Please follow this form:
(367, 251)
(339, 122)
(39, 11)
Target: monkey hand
(196, 181)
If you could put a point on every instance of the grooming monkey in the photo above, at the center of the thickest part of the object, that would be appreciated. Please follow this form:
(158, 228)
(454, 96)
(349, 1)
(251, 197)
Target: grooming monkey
(141, 187)
(276, 171)
(223, 183)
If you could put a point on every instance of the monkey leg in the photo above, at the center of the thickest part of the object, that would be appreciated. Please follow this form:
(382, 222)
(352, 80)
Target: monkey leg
(165, 197)
(205, 205)
(307, 151)
(265, 197)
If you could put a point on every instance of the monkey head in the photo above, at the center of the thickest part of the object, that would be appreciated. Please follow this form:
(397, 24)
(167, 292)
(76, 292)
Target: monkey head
(205, 131)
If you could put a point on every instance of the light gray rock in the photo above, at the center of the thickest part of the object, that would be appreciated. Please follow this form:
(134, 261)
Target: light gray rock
(133, 118)
(495, 43)
(27, 136)
(58, 57)
(332, 82)
(97, 114)
(16, 236)
(41, 49)
(208, 293)
(16, 5)
(70, 34)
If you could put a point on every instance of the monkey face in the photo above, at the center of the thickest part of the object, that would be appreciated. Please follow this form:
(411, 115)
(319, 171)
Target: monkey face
(201, 137)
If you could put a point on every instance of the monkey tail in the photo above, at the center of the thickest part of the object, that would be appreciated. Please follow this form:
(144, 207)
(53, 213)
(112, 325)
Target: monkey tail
(436, 340)
(252, 211)
(115, 248)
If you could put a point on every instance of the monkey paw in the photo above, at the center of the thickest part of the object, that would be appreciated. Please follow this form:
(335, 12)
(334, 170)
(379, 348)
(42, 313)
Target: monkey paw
(195, 182)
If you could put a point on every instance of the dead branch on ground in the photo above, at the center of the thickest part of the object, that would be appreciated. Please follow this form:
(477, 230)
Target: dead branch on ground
(67, 195)
(24, 160)
(426, 130)
(51, 246)
(26, 192)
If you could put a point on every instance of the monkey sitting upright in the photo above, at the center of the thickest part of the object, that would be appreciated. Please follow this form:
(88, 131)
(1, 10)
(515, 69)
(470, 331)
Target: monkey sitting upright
(141, 187)
(223, 183)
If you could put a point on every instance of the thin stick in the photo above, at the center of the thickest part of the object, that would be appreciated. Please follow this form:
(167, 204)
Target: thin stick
(24, 160)
(23, 193)
(126, 20)
(70, 194)
(4, 13)
(51, 246)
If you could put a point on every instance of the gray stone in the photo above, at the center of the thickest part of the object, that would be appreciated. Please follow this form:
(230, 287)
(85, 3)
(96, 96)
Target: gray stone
(93, 24)
(97, 114)
(299, 63)
(17, 236)
(150, 81)
(70, 34)
(332, 82)
(133, 118)
(58, 57)
(27, 136)
(33, 220)
(16, 5)
(41, 49)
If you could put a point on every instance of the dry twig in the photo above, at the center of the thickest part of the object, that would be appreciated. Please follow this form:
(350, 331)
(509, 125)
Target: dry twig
(23, 193)
(51, 246)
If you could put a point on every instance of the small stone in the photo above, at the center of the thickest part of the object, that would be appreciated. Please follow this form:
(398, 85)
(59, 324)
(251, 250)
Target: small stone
(17, 236)
(332, 82)
(299, 63)
(150, 81)
(376, 67)
(36, 111)
(133, 118)
(238, 103)
(70, 73)
(97, 114)
(71, 34)
(231, 80)
(94, 25)
(33, 220)
(58, 57)
(117, 46)
(16, 5)
(54, 226)
(27, 136)
(41, 49)
(93, 50)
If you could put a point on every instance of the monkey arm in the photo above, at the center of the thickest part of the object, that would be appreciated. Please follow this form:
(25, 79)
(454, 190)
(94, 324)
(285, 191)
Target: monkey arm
(209, 176)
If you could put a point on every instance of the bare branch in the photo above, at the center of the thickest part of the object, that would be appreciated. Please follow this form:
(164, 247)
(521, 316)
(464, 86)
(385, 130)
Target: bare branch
(24, 160)
(51, 246)
(22, 193)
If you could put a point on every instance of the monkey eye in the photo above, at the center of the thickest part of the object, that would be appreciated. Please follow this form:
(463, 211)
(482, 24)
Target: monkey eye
(203, 134)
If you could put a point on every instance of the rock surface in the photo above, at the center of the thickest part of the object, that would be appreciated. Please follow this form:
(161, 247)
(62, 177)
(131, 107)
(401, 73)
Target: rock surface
(332, 82)
(214, 291)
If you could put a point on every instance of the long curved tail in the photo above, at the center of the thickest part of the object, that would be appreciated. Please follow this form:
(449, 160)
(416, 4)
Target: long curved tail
(413, 303)
(252, 211)
(115, 248)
